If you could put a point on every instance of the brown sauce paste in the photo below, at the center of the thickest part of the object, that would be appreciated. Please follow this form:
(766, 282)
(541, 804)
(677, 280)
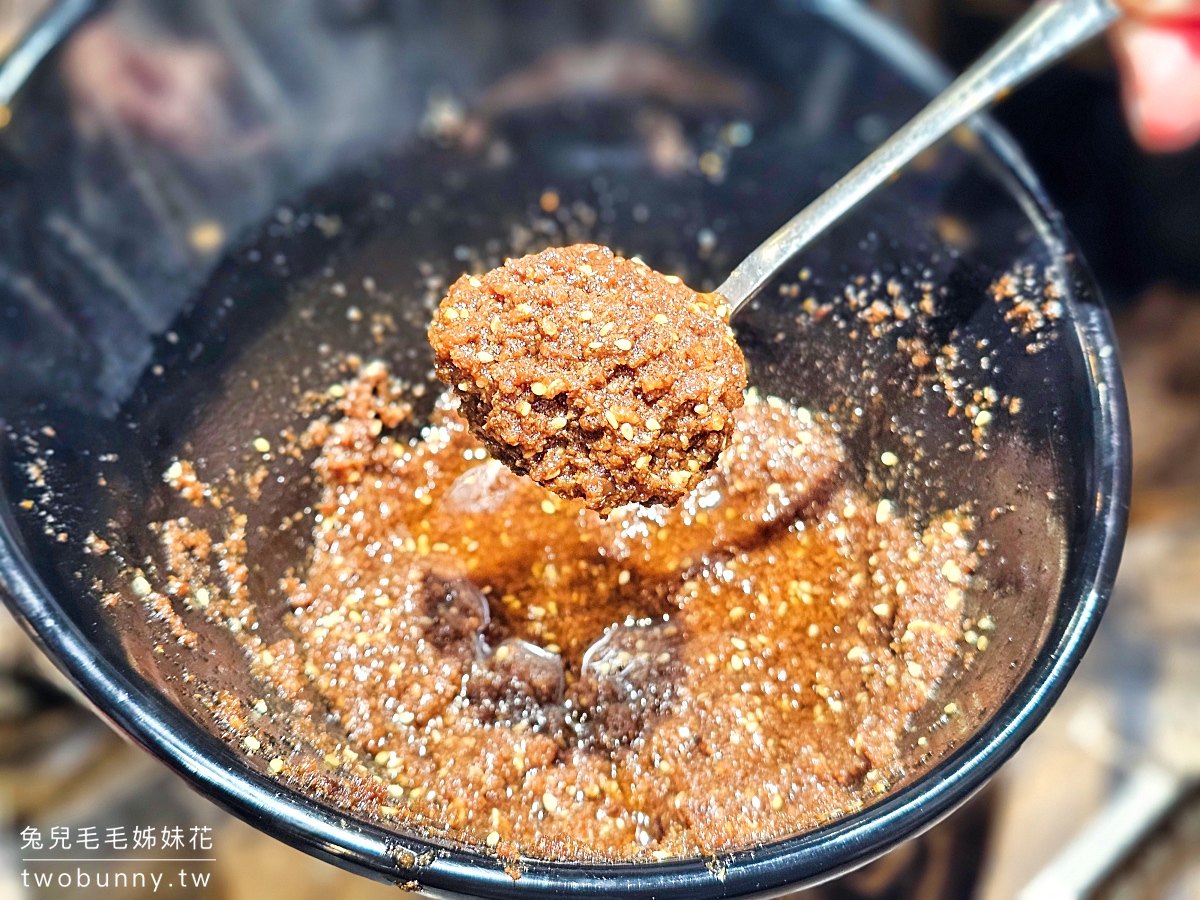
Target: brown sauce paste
(598, 377)
(518, 673)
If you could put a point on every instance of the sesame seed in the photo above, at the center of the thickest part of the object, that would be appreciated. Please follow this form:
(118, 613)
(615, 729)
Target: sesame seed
(627, 431)
(606, 329)
(736, 663)
(983, 418)
(883, 512)
(493, 838)
(888, 458)
(549, 802)
(262, 445)
(643, 462)
(653, 424)
(624, 577)
(549, 327)
(406, 717)
(661, 319)
(951, 572)
(679, 478)
(251, 743)
(624, 344)
(915, 669)
(586, 269)
(611, 418)
(275, 765)
(881, 609)
(982, 643)
(585, 315)
(736, 613)
(538, 389)
(484, 357)
(776, 802)
(558, 423)
(140, 586)
(474, 282)
(524, 408)
(738, 642)
(548, 507)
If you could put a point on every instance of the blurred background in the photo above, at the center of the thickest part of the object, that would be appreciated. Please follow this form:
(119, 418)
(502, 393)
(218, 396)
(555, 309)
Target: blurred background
(1115, 744)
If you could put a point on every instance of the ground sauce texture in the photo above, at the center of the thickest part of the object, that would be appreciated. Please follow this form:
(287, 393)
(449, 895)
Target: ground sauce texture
(598, 377)
(504, 667)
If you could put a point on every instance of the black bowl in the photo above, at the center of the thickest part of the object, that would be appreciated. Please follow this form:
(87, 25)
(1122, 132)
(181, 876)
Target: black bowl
(127, 339)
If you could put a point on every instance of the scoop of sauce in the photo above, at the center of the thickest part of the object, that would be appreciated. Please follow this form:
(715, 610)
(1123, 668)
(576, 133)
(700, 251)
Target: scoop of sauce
(594, 375)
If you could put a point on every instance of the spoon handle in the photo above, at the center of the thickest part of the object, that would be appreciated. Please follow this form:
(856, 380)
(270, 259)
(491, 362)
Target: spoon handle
(1048, 31)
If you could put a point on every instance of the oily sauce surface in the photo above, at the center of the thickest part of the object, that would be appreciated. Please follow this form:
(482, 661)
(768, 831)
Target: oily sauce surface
(516, 672)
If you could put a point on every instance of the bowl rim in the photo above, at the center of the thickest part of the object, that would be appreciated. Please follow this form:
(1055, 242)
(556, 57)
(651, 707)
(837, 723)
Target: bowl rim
(772, 869)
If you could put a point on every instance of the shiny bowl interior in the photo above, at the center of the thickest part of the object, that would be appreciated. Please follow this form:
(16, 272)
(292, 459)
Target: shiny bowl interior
(131, 338)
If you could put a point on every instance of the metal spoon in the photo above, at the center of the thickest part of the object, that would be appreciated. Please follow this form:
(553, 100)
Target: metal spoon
(1047, 32)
